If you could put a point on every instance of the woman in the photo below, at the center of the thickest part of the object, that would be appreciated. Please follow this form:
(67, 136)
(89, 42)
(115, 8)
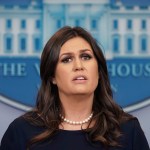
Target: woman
(75, 108)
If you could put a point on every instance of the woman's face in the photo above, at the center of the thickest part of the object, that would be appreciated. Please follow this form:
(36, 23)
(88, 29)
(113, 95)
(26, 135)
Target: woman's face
(77, 68)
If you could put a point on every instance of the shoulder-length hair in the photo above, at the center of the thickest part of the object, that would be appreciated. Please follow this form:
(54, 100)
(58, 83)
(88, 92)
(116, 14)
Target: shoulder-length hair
(107, 114)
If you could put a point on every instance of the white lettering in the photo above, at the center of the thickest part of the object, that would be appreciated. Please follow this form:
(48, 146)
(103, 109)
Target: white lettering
(114, 87)
(37, 68)
(123, 70)
(13, 69)
(137, 70)
(147, 69)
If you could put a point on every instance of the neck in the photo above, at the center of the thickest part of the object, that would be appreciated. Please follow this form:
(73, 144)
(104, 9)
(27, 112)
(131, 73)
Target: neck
(76, 107)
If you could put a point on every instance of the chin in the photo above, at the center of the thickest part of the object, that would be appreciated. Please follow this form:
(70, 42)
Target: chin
(82, 92)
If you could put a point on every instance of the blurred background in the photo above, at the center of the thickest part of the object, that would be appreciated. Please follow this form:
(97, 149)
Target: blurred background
(121, 27)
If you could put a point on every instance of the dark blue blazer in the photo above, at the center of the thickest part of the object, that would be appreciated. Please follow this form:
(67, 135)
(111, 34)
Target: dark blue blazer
(20, 132)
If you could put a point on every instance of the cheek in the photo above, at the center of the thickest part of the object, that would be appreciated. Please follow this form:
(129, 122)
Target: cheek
(97, 75)
(94, 74)
(95, 70)
(61, 74)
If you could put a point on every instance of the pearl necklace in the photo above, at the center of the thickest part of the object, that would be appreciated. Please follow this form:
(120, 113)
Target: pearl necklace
(76, 122)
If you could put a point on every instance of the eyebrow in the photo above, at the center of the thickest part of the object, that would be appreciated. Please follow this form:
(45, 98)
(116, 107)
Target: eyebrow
(81, 51)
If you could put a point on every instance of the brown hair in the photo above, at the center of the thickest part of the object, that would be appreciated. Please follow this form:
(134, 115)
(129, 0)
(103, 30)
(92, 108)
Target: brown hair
(107, 114)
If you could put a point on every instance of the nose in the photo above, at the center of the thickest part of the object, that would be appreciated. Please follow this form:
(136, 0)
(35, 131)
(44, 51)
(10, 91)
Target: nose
(78, 65)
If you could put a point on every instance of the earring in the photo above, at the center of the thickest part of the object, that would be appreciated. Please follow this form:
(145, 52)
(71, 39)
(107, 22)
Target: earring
(53, 81)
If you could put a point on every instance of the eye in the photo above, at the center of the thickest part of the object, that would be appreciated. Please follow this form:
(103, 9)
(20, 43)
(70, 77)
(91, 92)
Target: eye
(86, 56)
(66, 59)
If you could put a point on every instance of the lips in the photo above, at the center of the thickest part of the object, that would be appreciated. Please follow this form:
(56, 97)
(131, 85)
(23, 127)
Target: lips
(80, 77)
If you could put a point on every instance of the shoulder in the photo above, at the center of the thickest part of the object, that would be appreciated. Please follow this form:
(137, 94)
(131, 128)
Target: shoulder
(19, 122)
(130, 124)
(17, 125)
(133, 134)
(131, 127)
(23, 127)
(14, 137)
(18, 133)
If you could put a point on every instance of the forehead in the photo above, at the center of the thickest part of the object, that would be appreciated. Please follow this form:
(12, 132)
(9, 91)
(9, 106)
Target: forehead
(75, 44)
